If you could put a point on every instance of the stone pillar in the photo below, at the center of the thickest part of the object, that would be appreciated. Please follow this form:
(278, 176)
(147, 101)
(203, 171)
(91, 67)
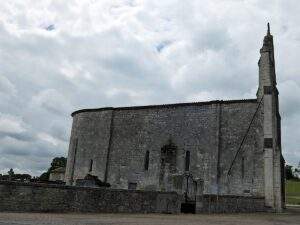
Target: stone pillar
(268, 151)
(268, 92)
(277, 181)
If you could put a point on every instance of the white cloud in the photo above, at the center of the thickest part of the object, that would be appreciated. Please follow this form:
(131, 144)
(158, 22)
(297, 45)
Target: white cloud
(11, 124)
(49, 138)
(52, 101)
(6, 87)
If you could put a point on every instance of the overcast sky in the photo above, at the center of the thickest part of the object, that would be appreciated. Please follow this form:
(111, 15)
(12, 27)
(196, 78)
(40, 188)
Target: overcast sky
(60, 56)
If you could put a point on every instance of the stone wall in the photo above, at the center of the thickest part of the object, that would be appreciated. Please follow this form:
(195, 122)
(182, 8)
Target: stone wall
(247, 174)
(118, 139)
(229, 204)
(89, 141)
(24, 197)
(190, 128)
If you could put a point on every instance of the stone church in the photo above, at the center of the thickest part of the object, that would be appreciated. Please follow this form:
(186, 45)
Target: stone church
(217, 147)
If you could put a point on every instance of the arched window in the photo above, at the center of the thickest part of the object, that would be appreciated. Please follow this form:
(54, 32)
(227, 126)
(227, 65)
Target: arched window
(91, 166)
(146, 163)
(187, 161)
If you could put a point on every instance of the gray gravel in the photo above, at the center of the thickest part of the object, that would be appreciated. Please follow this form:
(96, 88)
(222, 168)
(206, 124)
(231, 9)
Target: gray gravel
(290, 216)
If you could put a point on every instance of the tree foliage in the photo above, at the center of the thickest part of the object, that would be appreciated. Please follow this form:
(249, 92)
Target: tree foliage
(44, 176)
(57, 162)
(289, 172)
(11, 172)
(12, 176)
(292, 174)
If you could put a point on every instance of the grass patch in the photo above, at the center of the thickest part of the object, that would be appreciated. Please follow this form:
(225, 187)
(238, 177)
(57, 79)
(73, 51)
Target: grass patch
(292, 192)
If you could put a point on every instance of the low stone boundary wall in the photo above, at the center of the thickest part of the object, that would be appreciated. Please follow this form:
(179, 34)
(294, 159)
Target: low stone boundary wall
(34, 197)
(229, 204)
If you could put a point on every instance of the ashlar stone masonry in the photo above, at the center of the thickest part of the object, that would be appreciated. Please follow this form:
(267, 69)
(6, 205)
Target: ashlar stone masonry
(201, 148)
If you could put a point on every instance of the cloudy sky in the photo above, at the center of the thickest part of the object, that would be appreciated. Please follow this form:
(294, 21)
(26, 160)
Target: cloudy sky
(60, 56)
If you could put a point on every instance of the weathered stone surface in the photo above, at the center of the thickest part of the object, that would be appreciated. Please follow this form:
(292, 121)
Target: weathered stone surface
(55, 198)
(230, 204)
(211, 132)
(91, 132)
(234, 146)
(22, 197)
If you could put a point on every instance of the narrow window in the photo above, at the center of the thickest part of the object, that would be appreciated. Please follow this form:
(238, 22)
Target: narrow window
(187, 161)
(146, 163)
(243, 167)
(91, 166)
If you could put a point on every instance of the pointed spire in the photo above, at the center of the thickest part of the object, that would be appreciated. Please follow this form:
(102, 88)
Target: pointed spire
(268, 41)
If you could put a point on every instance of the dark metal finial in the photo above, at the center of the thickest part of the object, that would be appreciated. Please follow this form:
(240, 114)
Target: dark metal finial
(269, 29)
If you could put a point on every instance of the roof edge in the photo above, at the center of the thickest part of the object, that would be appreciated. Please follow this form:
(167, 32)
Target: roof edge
(254, 100)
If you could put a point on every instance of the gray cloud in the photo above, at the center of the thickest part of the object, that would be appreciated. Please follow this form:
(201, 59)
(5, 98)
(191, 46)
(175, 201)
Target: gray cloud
(57, 57)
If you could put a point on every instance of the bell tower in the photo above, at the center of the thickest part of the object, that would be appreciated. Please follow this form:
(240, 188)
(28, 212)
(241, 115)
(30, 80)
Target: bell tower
(266, 64)
(267, 93)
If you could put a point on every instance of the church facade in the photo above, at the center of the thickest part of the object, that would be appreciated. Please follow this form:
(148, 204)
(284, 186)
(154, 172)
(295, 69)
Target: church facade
(217, 147)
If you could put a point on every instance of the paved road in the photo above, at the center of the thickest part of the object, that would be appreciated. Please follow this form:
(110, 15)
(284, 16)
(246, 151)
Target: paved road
(292, 216)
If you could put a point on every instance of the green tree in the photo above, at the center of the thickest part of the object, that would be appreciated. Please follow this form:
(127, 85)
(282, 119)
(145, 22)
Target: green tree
(56, 163)
(289, 172)
(11, 173)
(22, 177)
(44, 176)
(297, 172)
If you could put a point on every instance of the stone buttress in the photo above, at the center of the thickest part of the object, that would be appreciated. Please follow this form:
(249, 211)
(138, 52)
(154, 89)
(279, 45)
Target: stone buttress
(268, 94)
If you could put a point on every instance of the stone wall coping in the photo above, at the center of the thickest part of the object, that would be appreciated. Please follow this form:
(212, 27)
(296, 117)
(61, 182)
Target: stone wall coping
(59, 186)
(167, 105)
(44, 185)
(232, 196)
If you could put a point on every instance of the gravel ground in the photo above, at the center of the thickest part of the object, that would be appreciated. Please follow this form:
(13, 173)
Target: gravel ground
(291, 216)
